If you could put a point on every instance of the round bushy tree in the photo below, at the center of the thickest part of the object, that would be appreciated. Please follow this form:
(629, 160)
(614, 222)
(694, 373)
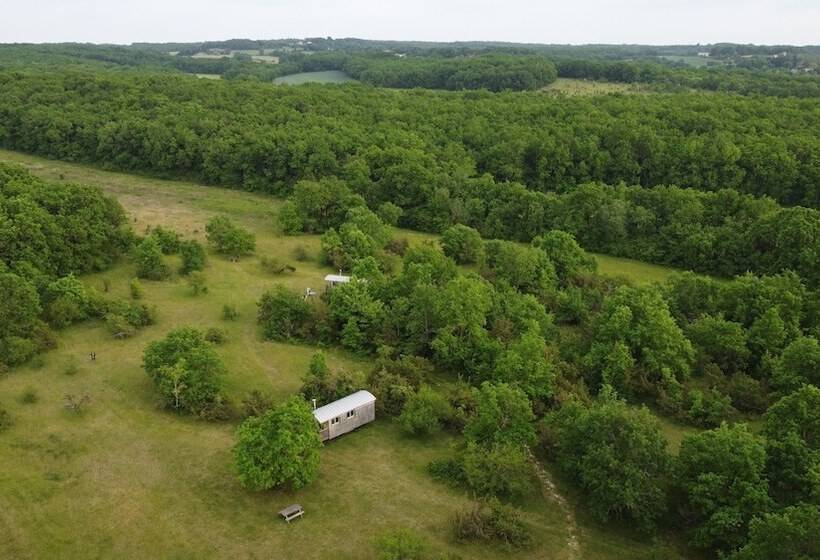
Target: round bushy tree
(228, 238)
(187, 371)
(463, 244)
(721, 476)
(279, 448)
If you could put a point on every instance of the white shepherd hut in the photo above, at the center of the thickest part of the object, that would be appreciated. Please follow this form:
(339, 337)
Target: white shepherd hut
(345, 415)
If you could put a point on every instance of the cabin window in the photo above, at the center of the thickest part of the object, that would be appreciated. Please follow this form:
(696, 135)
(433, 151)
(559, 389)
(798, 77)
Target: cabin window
(335, 421)
(351, 413)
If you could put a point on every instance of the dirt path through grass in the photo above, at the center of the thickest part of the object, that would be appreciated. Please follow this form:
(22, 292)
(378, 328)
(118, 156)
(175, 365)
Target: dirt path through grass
(550, 491)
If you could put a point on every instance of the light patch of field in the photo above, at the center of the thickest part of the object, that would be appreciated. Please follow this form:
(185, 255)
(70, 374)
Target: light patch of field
(326, 77)
(572, 86)
(268, 59)
(694, 61)
(128, 480)
(211, 55)
(209, 76)
(637, 272)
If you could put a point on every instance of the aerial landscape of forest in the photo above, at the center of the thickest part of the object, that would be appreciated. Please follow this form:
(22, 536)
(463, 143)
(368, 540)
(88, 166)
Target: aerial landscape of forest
(409, 300)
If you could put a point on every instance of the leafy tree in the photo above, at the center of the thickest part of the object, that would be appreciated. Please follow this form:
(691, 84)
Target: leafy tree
(19, 308)
(526, 268)
(193, 256)
(187, 372)
(148, 258)
(639, 320)
(617, 455)
(720, 341)
(790, 534)
(569, 259)
(463, 244)
(283, 314)
(792, 430)
(228, 238)
(525, 364)
(278, 448)
(425, 412)
(357, 314)
(503, 415)
(721, 477)
(390, 213)
(799, 363)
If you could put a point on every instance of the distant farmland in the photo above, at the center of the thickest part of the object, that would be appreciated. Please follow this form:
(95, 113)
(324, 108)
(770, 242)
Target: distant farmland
(326, 77)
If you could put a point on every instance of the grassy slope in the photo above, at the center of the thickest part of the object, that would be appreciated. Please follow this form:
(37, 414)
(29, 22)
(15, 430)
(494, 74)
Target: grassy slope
(128, 480)
(324, 77)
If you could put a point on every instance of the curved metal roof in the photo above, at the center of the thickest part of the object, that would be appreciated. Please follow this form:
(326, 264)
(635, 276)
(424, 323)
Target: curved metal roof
(337, 408)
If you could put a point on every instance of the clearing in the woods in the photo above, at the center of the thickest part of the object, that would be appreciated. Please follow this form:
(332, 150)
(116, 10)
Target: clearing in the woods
(125, 479)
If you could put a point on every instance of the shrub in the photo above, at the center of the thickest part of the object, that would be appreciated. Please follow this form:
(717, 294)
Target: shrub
(273, 265)
(29, 396)
(136, 288)
(401, 544)
(492, 521)
(193, 256)
(216, 336)
(196, 281)
(301, 254)
(148, 258)
(75, 403)
(748, 394)
(450, 471)
(289, 219)
(229, 312)
(425, 412)
(168, 240)
(228, 238)
(398, 246)
(709, 408)
(256, 403)
(5, 419)
(502, 470)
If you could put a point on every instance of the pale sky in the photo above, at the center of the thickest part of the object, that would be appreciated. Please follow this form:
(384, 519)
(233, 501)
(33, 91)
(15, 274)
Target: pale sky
(795, 22)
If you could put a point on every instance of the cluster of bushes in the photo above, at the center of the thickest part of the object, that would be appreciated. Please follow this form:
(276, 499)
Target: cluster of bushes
(51, 232)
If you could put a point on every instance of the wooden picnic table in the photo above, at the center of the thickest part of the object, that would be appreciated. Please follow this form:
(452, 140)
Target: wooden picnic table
(292, 512)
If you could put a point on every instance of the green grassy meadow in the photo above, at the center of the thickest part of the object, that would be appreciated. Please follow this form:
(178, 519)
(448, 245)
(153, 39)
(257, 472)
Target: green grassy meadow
(324, 77)
(126, 479)
(573, 86)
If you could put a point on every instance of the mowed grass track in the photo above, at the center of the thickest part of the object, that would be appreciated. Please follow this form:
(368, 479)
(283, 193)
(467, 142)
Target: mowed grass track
(323, 77)
(126, 479)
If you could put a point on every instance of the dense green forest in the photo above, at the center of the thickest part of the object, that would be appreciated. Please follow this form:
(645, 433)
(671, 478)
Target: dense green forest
(510, 165)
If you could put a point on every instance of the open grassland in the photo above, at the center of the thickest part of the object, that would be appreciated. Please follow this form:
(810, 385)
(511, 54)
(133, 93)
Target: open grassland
(573, 86)
(125, 479)
(325, 77)
(637, 272)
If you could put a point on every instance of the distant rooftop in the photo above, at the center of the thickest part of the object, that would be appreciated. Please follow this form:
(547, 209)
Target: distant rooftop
(337, 408)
